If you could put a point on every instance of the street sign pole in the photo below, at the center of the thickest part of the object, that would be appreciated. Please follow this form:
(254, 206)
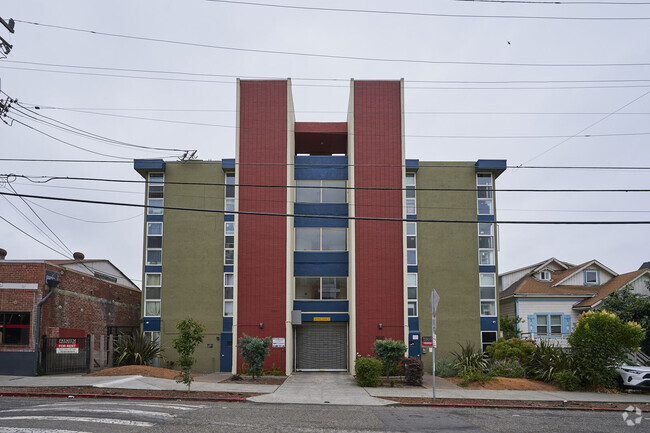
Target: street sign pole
(433, 306)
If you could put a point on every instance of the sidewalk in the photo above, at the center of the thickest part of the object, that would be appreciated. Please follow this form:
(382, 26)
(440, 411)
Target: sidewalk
(317, 388)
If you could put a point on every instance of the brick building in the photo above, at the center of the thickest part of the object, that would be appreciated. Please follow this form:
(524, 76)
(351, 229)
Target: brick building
(85, 297)
(320, 235)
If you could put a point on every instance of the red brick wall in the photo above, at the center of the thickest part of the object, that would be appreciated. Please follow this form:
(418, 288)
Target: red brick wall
(261, 254)
(103, 303)
(379, 259)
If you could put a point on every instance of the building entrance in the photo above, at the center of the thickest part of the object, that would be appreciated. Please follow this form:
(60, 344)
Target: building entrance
(321, 346)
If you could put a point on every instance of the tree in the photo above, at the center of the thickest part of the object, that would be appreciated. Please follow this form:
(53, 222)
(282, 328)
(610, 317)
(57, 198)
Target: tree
(254, 350)
(509, 327)
(190, 336)
(390, 352)
(599, 343)
(631, 307)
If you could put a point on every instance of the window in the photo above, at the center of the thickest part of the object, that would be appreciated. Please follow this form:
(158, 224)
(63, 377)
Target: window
(155, 190)
(14, 328)
(545, 276)
(228, 294)
(410, 194)
(320, 191)
(411, 244)
(549, 324)
(484, 192)
(321, 239)
(486, 244)
(488, 294)
(487, 338)
(591, 276)
(412, 294)
(154, 257)
(229, 204)
(154, 243)
(229, 243)
(152, 294)
(321, 288)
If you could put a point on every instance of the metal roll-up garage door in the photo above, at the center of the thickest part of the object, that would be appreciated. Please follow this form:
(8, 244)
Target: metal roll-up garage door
(322, 346)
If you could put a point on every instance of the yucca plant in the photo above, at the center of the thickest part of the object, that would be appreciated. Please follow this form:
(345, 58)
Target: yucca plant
(469, 360)
(548, 359)
(136, 350)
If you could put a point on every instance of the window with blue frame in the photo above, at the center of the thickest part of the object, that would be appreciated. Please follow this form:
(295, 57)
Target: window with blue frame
(549, 324)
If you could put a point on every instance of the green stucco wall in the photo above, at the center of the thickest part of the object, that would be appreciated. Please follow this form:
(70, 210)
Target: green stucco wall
(448, 256)
(193, 244)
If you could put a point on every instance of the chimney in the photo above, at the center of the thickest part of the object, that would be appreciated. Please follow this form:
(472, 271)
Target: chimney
(78, 256)
(3, 253)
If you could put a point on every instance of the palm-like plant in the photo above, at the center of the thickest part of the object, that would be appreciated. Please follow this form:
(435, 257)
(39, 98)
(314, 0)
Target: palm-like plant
(469, 360)
(136, 350)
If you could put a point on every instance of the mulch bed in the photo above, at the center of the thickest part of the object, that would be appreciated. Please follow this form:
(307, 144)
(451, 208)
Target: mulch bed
(91, 392)
(264, 380)
(519, 404)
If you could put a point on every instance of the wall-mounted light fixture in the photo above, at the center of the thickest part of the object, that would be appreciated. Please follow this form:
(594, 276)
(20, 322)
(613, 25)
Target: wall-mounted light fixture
(381, 325)
(261, 325)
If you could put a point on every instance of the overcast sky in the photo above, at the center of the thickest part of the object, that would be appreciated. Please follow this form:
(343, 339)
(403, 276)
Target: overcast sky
(476, 87)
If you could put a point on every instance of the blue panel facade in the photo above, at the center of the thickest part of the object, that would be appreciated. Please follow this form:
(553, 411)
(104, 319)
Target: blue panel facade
(321, 167)
(153, 268)
(412, 164)
(229, 217)
(337, 317)
(414, 324)
(485, 218)
(154, 218)
(151, 323)
(320, 264)
(411, 217)
(490, 164)
(483, 268)
(412, 269)
(227, 324)
(319, 222)
(329, 209)
(321, 306)
(228, 268)
(149, 164)
(489, 323)
(228, 164)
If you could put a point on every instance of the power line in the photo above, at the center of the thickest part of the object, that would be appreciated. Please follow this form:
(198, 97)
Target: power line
(185, 73)
(27, 234)
(329, 56)
(540, 190)
(87, 221)
(420, 14)
(553, 2)
(356, 218)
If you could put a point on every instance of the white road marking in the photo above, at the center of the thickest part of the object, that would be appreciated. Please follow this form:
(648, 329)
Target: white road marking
(80, 419)
(112, 410)
(35, 430)
(178, 406)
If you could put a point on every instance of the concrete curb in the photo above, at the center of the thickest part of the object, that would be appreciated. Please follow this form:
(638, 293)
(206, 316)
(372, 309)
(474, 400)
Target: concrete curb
(511, 406)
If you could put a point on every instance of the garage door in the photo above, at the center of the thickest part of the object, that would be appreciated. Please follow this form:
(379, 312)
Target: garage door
(322, 346)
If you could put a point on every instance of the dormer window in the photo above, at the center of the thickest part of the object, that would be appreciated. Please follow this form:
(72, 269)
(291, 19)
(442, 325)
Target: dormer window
(591, 277)
(545, 276)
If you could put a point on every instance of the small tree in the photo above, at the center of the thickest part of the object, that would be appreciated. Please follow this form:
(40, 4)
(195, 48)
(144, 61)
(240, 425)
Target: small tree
(254, 350)
(631, 307)
(509, 326)
(191, 335)
(600, 343)
(390, 352)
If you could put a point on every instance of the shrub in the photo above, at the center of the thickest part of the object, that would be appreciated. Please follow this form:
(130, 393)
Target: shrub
(254, 350)
(546, 360)
(513, 348)
(475, 376)
(368, 371)
(445, 368)
(413, 371)
(567, 379)
(507, 368)
(390, 352)
(136, 350)
(469, 360)
(509, 326)
(190, 335)
(599, 343)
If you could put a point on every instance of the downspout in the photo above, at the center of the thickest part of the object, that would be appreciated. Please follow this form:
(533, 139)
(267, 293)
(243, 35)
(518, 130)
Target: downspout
(51, 283)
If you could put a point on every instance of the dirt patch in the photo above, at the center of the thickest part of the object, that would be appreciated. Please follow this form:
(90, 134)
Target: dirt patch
(507, 383)
(532, 404)
(142, 370)
(87, 391)
(248, 380)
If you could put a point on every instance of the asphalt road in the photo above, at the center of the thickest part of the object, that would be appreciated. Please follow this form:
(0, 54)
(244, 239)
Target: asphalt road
(36, 415)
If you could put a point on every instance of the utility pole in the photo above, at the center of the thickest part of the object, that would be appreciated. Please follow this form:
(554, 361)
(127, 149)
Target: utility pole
(5, 46)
